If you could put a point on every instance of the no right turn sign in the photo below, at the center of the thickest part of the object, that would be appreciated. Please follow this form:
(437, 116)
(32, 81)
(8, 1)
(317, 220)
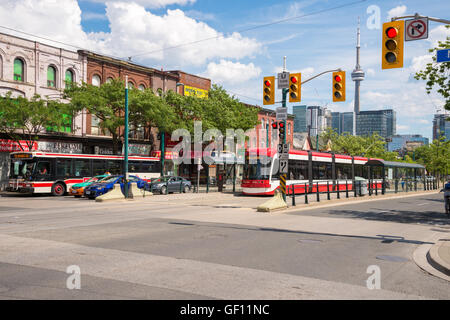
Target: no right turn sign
(416, 29)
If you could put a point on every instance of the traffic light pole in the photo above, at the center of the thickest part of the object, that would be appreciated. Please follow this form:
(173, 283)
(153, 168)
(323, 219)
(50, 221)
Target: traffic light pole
(284, 93)
(125, 165)
(418, 16)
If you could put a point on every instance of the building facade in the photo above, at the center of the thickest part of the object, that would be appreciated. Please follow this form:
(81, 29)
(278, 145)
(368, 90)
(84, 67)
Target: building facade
(318, 119)
(441, 126)
(381, 121)
(102, 69)
(29, 68)
(342, 122)
(400, 142)
(269, 137)
(300, 121)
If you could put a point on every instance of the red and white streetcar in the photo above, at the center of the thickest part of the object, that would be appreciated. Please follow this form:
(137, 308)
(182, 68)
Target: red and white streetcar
(310, 168)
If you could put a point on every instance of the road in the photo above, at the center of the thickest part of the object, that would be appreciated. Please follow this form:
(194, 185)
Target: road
(217, 247)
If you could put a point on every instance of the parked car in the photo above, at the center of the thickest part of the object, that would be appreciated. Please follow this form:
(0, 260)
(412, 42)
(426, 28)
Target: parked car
(107, 184)
(77, 189)
(170, 184)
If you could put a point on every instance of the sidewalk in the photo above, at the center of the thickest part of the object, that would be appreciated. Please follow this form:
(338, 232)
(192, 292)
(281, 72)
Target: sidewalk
(439, 256)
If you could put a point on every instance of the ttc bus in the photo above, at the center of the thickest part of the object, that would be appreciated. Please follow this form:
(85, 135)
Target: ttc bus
(55, 173)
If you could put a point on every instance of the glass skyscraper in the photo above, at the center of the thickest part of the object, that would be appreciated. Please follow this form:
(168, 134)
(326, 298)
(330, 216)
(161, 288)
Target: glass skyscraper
(342, 122)
(441, 126)
(399, 142)
(300, 121)
(381, 121)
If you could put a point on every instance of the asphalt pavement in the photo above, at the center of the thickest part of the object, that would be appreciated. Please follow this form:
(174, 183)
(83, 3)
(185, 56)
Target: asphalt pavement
(217, 247)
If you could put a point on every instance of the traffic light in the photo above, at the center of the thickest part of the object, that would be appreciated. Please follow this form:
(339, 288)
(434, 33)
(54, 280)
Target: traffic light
(269, 90)
(281, 131)
(295, 82)
(392, 45)
(274, 125)
(338, 86)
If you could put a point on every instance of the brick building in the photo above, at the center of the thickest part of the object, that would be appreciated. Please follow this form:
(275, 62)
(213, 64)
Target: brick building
(101, 69)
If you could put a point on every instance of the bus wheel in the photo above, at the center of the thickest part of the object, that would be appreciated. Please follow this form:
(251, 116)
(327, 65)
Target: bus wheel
(58, 189)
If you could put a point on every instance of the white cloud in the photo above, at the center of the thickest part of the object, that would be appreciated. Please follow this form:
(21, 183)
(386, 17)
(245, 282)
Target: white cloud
(420, 62)
(438, 34)
(231, 72)
(93, 16)
(402, 127)
(397, 11)
(370, 72)
(134, 31)
(151, 3)
(198, 15)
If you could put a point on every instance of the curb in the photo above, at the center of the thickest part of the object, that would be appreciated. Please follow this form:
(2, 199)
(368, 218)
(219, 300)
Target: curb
(339, 202)
(434, 258)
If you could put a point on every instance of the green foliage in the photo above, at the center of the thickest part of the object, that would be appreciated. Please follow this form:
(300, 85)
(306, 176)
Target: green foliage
(22, 118)
(220, 111)
(437, 74)
(367, 146)
(435, 156)
(167, 112)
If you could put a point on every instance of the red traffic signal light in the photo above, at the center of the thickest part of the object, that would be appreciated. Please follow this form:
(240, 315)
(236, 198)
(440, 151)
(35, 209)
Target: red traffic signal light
(295, 87)
(337, 78)
(274, 125)
(268, 91)
(392, 45)
(281, 124)
(391, 32)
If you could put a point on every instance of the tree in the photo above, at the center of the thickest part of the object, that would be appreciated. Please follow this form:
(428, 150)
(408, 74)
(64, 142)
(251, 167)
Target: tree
(437, 74)
(435, 156)
(106, 102)
(368, 146)
(22, 118)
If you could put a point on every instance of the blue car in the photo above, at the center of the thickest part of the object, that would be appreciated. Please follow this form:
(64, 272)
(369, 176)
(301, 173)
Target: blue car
(107, 184)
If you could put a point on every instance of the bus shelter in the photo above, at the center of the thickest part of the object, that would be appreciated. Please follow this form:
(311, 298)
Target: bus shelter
(397, 176)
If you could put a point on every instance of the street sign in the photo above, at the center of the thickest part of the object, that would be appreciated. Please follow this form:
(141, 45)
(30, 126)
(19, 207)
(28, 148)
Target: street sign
(283, 80)
(416, 29)
(283, 151)
(283, 166)
(281, 113)
(443, 55)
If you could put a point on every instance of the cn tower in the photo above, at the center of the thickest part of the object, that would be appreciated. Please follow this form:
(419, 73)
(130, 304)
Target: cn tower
(357, 76)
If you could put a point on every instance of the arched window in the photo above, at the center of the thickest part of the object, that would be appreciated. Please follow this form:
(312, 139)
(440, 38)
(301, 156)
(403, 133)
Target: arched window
(109, 80)
(130, 85)
(141, 87)
(51, 77)
(19, 70)
(96, 80)
(69, 78)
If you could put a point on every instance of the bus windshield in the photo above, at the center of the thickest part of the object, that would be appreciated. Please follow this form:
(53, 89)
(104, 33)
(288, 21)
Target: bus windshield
(21, 169)
(257, 171)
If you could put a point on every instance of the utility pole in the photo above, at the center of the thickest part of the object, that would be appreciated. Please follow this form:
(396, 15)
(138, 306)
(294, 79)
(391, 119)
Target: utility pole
(125, 165)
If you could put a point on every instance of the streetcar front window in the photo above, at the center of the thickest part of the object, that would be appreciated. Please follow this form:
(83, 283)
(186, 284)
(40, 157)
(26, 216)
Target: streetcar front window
(257, 171)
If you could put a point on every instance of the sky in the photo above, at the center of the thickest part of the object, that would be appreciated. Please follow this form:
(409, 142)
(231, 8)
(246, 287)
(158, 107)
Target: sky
(236, 43)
